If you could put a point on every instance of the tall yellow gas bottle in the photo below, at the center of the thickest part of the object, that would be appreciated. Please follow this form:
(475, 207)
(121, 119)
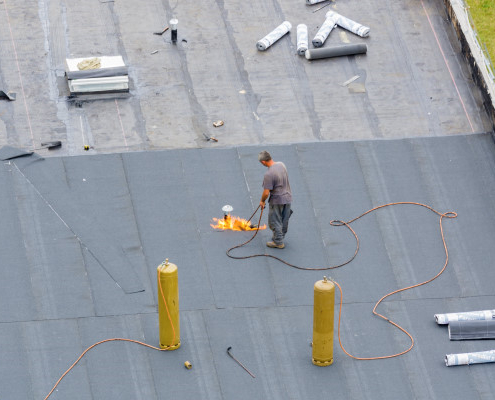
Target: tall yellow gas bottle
(168, 305)
(323, 313)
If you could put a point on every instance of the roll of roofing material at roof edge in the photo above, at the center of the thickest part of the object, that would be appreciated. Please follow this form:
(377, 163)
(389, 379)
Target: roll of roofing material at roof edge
(310, 2)
(468, 330)
(302, 39)
(349, 24)
(336, 51)
(443, 319)
(324, 31)
(480, 357)
(273, 36)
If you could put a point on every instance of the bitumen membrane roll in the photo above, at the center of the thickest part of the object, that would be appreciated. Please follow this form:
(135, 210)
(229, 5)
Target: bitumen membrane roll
(336, 51)
(443, 319)
(273, 36)
(480, 357)
(349, 24)
(302, 39)
(468, 330)
(324, 31)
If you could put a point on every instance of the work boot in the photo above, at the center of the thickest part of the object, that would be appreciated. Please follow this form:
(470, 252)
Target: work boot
(275, 245)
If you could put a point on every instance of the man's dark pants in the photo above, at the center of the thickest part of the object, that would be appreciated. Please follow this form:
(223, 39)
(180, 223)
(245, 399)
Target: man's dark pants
(278, 221)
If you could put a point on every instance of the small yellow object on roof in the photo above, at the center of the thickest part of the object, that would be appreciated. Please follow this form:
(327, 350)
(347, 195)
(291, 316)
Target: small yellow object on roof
(89, 63)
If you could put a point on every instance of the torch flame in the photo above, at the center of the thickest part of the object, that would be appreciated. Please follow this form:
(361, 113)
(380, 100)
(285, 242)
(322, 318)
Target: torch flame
(235, 224)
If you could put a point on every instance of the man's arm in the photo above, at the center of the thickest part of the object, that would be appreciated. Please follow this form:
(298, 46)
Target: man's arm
(264, 196)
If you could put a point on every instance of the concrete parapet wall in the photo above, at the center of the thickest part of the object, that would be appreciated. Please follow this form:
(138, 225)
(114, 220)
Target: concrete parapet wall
(457, 15)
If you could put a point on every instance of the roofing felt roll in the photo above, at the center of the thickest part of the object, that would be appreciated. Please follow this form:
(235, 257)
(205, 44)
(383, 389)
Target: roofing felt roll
(302, 39)
(480, 357)
(443, 319)
(467, 330)
(325, 29)
(273, 36)
(349, 24)
(314, 1)
(336, 51)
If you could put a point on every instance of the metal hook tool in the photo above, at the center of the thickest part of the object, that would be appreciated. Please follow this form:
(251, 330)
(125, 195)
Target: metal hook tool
(238, 362)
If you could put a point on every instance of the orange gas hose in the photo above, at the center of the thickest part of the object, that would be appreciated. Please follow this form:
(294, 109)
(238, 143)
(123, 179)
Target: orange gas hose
(285, 262)
(119, 339)
(449, 214)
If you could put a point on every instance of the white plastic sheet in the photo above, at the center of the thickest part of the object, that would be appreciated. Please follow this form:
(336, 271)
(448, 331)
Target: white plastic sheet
(302, 39)
(443, 319)
(273, 36)
(325, 29)
(480, 357)
(349, 24)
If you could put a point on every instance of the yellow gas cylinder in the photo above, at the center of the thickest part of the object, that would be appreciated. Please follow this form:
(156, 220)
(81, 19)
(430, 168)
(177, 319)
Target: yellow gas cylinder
(168, 305)
(323, 310)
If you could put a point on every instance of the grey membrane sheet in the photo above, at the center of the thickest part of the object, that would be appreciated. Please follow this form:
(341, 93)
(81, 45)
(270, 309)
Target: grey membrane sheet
(80, 235)
(466, 330)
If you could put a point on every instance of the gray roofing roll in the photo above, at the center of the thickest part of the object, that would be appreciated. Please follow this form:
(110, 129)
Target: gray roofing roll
(327, 26)
(273, 36)
(302, 39)
(443, 319)
(336, 51)
(466, 330)
(349, 24)
(479, 357)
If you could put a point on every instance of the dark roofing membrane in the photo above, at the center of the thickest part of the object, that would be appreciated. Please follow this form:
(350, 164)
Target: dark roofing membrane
(81, 238)
(468, 330)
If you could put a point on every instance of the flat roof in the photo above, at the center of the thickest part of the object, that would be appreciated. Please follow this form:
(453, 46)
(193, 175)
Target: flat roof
(68, 220)
(83, 231)
(412, 82)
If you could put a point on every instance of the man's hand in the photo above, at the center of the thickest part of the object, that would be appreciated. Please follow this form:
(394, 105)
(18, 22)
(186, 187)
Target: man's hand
(264, 196)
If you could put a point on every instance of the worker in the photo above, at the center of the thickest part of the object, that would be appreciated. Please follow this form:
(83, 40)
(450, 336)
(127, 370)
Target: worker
(276, 185)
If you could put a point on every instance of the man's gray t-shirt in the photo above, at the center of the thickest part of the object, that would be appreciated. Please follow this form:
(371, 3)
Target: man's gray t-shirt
(276, 180)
